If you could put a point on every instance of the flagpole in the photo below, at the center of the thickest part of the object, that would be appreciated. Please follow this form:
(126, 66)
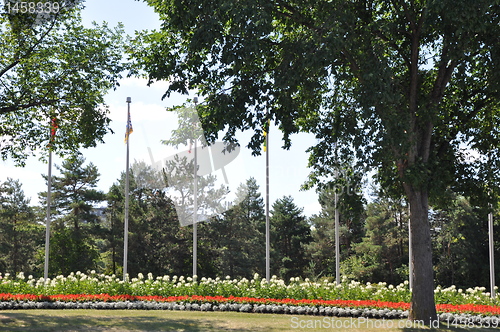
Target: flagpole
(491, 243)
(195, 213)
(47, 223)
(337, 235)
(337, 227)
(125, 237)
(492, 254)
(268, 240)
(195, 207)
(410, 251)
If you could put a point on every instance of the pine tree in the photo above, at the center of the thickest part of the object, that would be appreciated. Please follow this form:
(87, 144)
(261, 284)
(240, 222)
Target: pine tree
(239, 234)
(113, 225)
(322, 248)
(156, 242)
(75, 225)
(291, 233)
(382, 254)
(20, 235)
(460, 243)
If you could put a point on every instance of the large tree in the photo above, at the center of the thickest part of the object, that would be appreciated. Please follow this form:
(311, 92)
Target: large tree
(405, 85)
(53, 67)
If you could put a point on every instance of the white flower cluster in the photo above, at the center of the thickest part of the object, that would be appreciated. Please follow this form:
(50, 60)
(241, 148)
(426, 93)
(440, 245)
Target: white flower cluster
(296, 288)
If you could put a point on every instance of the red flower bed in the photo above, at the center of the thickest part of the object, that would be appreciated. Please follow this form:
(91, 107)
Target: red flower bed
(461, 308)
(469, 308)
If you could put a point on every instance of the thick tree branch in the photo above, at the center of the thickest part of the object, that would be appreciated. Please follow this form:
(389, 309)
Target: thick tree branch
(13, 108)
(445, 72)
(416, 151)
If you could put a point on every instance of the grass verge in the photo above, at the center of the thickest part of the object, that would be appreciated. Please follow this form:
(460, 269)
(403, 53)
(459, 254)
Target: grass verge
(139, 320)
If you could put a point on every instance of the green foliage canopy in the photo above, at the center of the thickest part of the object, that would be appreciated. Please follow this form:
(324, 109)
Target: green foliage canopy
(404, 84)
(56, 69)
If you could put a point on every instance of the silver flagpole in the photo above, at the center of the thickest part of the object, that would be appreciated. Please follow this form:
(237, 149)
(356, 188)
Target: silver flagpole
(195, 213)
(195, 208)
(47, 223)
(492, 254)
(410, 253)
(268, 237)
(491, 244)
(337, 227)
(337, 235)
(125, 227)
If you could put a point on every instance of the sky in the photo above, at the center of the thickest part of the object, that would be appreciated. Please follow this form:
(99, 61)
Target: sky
(152, 123)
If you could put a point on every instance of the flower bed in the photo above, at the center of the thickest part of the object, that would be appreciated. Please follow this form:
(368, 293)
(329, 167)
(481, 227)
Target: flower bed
(463, 315)
(349, 298)
(218, 300)
(76, 298)
(296, 288)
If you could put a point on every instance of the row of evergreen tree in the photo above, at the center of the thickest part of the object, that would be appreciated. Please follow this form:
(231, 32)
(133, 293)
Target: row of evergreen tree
(373, 236)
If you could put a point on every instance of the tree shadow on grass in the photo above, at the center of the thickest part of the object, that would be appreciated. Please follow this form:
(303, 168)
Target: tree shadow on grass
(24, 321)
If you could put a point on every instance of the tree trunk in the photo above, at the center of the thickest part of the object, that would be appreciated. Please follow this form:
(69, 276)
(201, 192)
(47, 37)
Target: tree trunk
(423, 307)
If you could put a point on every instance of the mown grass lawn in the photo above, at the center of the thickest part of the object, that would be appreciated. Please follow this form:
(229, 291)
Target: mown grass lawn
(141, 320)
